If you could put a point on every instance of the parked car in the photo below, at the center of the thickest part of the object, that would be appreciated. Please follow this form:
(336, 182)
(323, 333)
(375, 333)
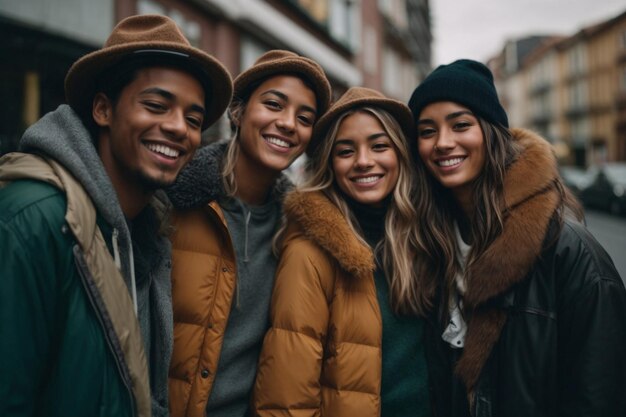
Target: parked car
(607, 188)
(576, 178)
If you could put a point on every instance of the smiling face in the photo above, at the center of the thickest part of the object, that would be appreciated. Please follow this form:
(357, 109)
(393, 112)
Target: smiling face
(152, 130)
(276, 125)
(452, 146)
(364, 159)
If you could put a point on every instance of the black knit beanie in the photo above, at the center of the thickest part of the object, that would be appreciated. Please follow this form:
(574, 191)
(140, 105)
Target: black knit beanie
(465, 82)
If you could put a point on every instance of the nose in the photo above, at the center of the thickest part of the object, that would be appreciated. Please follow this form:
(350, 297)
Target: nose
(444, 141)
(364, 159)
(175, 125)
(286, 121)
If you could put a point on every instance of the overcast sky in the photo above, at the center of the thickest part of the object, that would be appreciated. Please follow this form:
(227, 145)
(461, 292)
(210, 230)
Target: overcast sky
(477, 29)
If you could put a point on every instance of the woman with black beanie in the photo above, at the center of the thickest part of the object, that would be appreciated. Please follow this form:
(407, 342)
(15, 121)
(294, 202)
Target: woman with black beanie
(529, 313)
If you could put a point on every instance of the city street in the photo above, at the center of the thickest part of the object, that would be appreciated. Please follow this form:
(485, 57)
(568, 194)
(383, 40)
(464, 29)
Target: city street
(610, 231)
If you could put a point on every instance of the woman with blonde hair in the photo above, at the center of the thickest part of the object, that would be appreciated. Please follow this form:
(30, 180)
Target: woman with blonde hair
(530, 312)
(345, 338)
(227, 210)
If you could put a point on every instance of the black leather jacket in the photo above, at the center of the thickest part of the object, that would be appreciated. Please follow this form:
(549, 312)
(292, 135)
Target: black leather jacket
(562, 350)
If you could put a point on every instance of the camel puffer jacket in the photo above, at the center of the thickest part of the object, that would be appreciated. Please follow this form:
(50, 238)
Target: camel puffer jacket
(322, 356)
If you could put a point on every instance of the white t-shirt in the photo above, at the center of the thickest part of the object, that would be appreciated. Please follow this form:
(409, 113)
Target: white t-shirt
(454, 333)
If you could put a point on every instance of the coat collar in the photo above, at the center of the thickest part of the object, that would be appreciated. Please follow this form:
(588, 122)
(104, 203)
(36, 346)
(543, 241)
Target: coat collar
(531, 199)
(200, 182)
(322, 222)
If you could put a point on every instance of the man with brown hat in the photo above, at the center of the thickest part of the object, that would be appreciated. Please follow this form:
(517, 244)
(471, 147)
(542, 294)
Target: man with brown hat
(85, 305)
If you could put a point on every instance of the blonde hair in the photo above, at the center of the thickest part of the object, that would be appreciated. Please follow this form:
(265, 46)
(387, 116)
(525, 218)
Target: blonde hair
(399, 241)
(235, 112)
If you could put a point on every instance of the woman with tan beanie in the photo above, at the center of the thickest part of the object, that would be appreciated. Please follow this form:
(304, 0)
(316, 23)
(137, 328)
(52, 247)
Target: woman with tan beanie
(228, 208)
(345, 339)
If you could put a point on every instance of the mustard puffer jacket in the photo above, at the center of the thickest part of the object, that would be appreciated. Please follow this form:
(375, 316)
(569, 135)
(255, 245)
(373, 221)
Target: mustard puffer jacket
(322, 355)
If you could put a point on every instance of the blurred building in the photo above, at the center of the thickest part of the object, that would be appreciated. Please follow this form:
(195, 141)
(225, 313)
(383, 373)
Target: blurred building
(382, 44)
(509, 78)
(572, 90)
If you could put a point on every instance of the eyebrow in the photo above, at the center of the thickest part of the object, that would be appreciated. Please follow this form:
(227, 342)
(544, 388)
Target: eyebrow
(448, 117)
(371, 137)
(284, 97)
(169, 96)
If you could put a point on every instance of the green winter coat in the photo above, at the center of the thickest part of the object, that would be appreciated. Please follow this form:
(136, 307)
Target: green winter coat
(70, 344)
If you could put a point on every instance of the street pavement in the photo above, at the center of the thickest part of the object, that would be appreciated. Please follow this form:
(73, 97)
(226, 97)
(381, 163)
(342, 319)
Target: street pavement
(610, 231)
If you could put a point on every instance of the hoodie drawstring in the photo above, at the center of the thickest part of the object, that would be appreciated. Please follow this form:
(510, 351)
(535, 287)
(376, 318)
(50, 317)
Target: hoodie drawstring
(133, 282)
(118, 264)
(246, 258)
(116, 250)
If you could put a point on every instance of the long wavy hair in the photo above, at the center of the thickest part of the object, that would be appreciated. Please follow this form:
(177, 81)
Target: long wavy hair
(399, 242)
(235, 113)
(437, 212)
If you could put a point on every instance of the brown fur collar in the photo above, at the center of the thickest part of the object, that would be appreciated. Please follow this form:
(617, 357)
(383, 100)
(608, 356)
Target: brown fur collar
(531, 201)
(322, 222)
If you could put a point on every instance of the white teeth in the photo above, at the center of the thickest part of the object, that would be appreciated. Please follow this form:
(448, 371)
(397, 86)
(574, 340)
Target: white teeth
(162, 149)
(278, 142)
(367, 180)
(450, 162)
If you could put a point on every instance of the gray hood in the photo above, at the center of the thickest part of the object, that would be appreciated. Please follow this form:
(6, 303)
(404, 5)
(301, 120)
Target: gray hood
(62, 136)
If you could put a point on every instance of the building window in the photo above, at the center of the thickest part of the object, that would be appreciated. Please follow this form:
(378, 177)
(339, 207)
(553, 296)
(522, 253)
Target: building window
(545, 107)
(399, 75)
(370, 54)
(191, 29)
(341, 18)
(580, 132)
(316, 9)
(396, 11)
(344, 22)
(250, 51)
(543, 74)
(576, 59)
(622, 79)
(622, 39)
(578, 95)
(409, 80)
(391, 66)
(149, 7)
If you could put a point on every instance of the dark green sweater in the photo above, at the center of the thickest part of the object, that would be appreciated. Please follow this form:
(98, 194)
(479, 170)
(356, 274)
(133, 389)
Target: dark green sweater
(404, 387)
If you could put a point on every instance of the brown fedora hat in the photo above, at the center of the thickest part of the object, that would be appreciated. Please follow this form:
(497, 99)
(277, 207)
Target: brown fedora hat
(278, 62)
(156, 37)
(363, 97)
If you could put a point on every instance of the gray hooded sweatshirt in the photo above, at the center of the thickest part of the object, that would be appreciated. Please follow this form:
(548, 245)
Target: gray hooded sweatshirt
(251, 229)
(144, 256)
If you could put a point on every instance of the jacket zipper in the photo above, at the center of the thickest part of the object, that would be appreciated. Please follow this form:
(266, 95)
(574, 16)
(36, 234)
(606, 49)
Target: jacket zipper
(85, 275)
